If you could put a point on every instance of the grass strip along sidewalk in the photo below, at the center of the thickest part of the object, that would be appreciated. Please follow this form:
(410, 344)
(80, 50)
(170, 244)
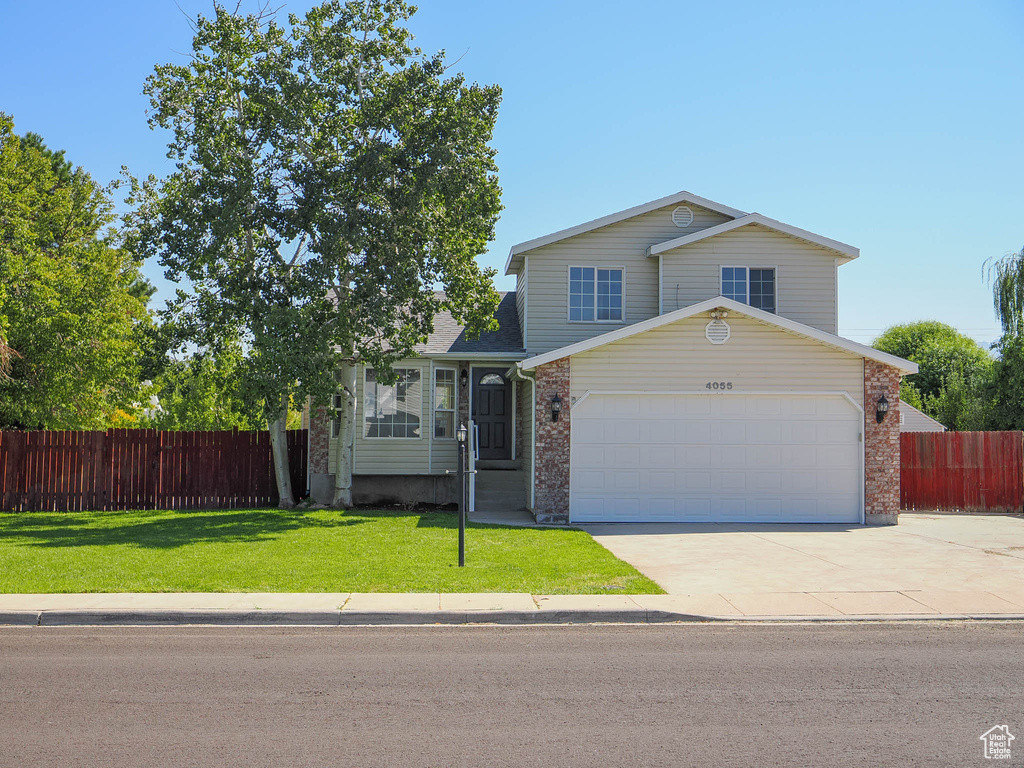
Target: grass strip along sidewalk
(273, 550)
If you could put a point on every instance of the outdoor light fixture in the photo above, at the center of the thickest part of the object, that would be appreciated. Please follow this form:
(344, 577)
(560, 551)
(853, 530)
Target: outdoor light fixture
(881, 408)
(556, 407)
(464, 377)
(461, 433)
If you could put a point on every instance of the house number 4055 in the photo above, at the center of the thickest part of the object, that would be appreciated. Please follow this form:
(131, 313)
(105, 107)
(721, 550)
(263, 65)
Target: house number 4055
(718, 385)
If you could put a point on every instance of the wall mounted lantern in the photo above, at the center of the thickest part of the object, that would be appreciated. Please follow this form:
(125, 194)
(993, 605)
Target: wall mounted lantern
(556, 407)
(881, 408)
(461, 433)
(464, 377)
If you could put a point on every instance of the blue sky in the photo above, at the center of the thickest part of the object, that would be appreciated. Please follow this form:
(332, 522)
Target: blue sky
(895, 127)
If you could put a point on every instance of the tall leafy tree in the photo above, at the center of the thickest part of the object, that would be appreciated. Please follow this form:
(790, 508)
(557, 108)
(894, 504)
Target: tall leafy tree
(938, 349)
(1008, 384)
(954, 372)
(68, 322)
(205, 390)
(330, 176)
(1006, 277)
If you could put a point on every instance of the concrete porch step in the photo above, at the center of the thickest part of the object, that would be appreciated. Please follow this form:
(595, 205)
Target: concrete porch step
(498, 490)
(502, 464)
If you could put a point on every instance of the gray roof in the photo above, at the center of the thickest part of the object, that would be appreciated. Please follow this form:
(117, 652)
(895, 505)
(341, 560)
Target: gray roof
(449, 337)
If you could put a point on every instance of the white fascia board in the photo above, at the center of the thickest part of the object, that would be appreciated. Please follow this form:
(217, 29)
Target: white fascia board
(614, 218)
(860, 350)
(847, 252)
(474, 356)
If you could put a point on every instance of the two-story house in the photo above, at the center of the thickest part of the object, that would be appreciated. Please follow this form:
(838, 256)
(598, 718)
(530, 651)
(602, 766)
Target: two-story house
(676, 361)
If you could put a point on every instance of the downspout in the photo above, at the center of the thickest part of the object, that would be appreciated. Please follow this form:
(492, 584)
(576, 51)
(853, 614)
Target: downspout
(517, 373)
(309, 443)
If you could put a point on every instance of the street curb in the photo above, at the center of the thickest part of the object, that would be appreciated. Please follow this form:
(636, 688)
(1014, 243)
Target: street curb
(177, 617)
(20, 618)
(208, 617)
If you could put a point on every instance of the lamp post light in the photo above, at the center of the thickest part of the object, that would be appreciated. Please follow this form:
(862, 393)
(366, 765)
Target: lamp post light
(461, 434)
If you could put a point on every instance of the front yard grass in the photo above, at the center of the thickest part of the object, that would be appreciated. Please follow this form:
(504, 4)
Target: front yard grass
(272, 550)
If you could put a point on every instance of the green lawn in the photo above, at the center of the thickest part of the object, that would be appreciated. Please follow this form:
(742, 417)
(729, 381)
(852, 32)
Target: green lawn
(298, 551)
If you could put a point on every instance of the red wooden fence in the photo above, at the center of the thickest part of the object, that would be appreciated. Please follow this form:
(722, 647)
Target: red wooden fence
(143, 469)
(967, 471)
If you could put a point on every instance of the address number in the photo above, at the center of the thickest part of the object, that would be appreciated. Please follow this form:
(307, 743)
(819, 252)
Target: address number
(718, 385)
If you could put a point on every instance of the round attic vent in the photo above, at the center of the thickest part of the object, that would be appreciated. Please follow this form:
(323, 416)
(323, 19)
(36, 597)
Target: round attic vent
(717, 331)
(682, 216)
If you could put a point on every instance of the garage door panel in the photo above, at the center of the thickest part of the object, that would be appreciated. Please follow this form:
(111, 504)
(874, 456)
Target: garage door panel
(622, 431)
(765, 432)
(693, 432)
(732, 432)
(587, 432)
(764, 482)
(658, 482)
(661, 432)
(723, 458)
(625, 480)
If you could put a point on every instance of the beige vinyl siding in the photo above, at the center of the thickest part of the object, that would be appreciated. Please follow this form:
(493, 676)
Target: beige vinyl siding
(391, 456)
(678, 358)
(805, 276)
(521, 279)
(618, 245)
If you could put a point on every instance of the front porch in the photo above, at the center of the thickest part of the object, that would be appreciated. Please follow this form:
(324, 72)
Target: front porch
(420, 468)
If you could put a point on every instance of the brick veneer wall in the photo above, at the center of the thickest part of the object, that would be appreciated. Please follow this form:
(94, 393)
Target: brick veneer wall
(551, 494)
(319, 437)
(881, 445)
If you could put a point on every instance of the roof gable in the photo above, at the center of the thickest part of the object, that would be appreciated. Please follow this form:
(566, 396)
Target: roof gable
(785, 324)
(844, 251)
(518, 250)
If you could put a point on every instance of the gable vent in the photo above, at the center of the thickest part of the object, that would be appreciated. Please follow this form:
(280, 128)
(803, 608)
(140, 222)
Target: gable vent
(682, 216)
(717, 331)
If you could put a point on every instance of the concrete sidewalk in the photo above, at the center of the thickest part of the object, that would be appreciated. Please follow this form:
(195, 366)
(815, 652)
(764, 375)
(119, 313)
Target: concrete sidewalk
(499, 608)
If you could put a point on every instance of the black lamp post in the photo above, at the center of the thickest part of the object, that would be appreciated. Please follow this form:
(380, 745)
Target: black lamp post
(556, 407)
(461, 434)
(881, 408)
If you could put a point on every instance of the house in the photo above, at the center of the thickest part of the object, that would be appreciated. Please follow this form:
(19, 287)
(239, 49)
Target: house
(913, 420)
(676, 361)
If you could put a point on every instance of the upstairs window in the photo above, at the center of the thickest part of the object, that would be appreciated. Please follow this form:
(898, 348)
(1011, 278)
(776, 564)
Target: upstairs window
(392, 410)
(595, 294)
(750, 285)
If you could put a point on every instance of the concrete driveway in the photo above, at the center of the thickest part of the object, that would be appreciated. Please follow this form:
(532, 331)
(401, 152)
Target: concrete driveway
(947, 563)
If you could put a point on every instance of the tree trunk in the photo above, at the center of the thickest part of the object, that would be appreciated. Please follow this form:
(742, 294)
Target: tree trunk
(279, 448)
(346, 436)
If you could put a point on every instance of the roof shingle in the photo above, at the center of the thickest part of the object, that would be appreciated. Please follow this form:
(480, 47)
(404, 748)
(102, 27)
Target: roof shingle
(449, 337)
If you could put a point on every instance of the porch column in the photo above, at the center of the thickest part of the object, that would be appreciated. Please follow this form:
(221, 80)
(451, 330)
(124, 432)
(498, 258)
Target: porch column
(321, 483)
(881, 445)
(551, 495)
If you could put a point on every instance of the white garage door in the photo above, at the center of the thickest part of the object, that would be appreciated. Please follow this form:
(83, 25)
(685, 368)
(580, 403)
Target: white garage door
(715, 458)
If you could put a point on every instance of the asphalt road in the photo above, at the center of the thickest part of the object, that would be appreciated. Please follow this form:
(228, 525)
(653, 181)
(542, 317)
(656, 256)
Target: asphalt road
(707, 695)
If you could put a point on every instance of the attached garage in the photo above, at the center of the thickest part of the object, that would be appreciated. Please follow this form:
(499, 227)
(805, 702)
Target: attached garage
(718, 412)
(744, 457)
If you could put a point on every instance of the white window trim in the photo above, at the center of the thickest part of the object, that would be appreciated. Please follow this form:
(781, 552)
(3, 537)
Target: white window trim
(335, 422)
(568, 301)
(748, 267)
(454, 410)
(365, 429)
